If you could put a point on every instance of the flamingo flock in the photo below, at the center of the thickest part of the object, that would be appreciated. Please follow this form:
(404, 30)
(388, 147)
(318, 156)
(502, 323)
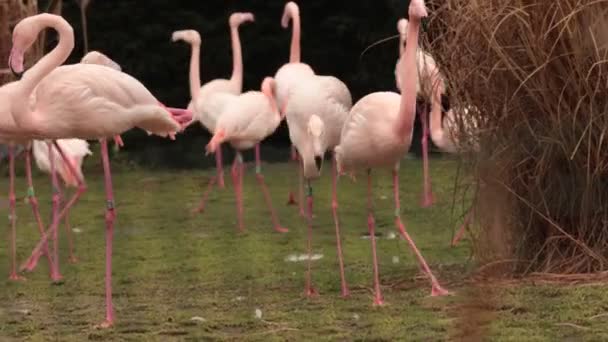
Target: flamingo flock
(55, 107)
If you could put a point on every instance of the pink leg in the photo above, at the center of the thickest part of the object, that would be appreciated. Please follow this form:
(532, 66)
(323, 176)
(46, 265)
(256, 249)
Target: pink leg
(371, 225)
(334, 208)
(110, 216)
(201, 206)
(55, 274)
(427, 198)
(260, 178)
(36, 253)
(34, 201)
(301, 187)
(463, 227)
(13, 217)
(219, 165)
(309, 290)
(436, 289)
(236, 181)
(294, 157)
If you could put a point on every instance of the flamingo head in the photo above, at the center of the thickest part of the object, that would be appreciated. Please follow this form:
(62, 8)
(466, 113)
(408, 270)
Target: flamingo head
(291, 11)
(417, 9)
(189, 36)
(24, 35)
(238, 18)
(268, 88)
(316, 132)
(402, 26)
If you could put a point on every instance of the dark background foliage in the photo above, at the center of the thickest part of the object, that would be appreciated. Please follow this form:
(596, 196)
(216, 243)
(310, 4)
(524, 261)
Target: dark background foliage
(136, 34)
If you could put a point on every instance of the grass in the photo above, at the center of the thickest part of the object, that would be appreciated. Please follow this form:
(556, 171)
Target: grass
(170, 266)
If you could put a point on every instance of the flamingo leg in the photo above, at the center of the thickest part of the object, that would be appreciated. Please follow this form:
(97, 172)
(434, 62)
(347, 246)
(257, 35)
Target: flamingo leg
(55, 274)
(219, 165)
(260, 178)
(371, 226)
(109, 218)
(460, 233)
(301, 187)
(334, 208)
(293, 157)
(309, 290)
(436, 289)
(13, 217)
(31, 195)
(36, 253)
(427, 197)
(201, 206)
(236, 181)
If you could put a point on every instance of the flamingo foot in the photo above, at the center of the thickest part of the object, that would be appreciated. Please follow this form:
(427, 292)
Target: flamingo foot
(438, 291)
(345, 293)
(16, 277)
(428, 199)
(31, 263)
(72, 260)
(292, 199)
(378, 301)
(105, 324)
(280, 229)
(311, 292)
(57, 278)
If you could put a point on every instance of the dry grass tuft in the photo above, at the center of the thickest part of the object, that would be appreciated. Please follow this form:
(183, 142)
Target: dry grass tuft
(537, 72)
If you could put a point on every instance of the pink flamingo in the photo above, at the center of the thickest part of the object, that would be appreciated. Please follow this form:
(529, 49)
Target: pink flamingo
(86, 101)
(426, 69)
(48, 160)
(444, 135)
(245, 121)
(378, 132)
(207, 101)
(317, 109)
(288, 75)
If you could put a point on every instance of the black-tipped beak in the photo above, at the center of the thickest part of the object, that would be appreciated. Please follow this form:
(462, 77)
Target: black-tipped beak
(318, 162)
(18, 75)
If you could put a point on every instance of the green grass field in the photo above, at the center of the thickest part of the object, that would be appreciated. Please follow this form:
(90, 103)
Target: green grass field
(181, 277)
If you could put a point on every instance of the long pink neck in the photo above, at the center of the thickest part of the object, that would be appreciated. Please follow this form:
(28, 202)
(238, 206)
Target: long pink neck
(407, 68)
(237, 58)
(47, 63)
(294, 53)
(195, 73)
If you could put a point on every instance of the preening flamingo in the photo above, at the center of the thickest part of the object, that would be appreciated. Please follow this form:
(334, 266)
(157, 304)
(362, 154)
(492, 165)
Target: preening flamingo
(378, 132)
(289, 74)
(426, 70)
(208, 101)
(86, 101)
(245, 121)
(316, 111)
(444, 133)
(48, 160)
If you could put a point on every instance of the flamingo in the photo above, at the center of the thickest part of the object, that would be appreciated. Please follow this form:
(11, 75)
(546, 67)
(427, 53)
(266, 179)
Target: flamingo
(378, 132)
(85, 101)
(426, 69)
(444, 135)
(48, 160)
(317, 109)
(245, 121)
(207, 101)
(288, 75)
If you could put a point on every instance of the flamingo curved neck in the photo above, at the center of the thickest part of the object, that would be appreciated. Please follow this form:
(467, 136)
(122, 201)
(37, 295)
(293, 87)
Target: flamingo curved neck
(294, 53)
(237, 58)
(46, 64)
(195, 73)
(408, 70)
